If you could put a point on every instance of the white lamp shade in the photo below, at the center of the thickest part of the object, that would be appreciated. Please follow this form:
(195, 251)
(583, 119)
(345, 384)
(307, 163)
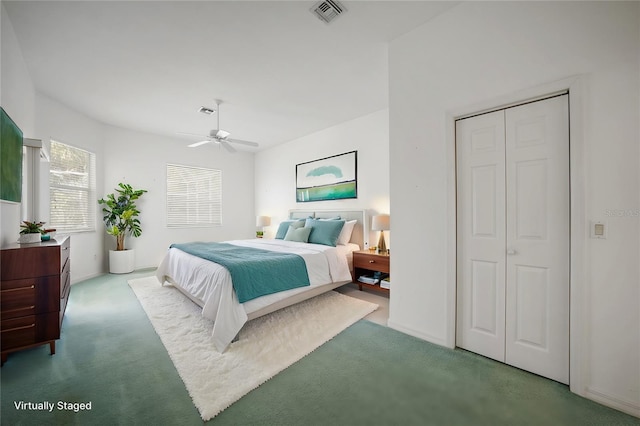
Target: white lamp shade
(381, 222)
(263, 221)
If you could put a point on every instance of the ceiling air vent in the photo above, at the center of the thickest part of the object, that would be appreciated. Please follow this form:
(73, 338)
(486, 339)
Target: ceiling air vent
(328, 10)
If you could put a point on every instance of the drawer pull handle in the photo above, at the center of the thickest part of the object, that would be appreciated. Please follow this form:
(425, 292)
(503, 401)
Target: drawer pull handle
(24, 327)
(372, 261)
(31, 308)
(19, 288)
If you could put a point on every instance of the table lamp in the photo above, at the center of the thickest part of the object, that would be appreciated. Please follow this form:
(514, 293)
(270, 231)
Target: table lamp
(261, 222)
(381, 222)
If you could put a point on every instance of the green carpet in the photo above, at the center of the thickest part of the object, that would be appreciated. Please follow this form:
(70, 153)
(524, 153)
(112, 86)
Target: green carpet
(109, 355)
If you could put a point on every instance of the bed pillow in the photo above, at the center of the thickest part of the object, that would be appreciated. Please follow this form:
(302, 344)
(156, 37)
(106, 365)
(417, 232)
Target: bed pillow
(300, 235)
(284, 227)
(325, 232)
(347, 230)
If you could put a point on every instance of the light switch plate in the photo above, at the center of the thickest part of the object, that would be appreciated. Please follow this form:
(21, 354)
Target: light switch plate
(598, 229)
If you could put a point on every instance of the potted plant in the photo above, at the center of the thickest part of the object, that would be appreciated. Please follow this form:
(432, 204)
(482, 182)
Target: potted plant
(31, 232)
(120, 219)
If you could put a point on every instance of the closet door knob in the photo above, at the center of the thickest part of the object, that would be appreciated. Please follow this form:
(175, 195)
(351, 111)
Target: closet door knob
(511, 252)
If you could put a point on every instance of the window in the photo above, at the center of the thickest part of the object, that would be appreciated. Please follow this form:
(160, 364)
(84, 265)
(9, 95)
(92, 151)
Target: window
(72, 187)
(194, 196)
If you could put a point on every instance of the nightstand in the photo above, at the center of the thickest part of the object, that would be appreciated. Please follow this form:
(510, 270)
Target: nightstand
(366, 262)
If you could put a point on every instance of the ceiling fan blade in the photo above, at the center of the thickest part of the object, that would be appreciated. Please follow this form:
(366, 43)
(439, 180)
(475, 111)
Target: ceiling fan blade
(238, 141)
(193, 145)
(222, 134)
(228, 147)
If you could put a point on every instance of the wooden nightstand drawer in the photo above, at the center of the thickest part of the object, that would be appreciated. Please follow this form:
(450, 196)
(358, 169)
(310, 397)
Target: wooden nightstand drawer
(373, 262)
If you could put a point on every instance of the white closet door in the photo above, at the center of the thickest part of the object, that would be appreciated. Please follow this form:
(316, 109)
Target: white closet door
(513, 236)
(480, 151)
(537, 243)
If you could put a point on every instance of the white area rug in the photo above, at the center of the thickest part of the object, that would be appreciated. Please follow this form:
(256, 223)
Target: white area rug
(267, 345)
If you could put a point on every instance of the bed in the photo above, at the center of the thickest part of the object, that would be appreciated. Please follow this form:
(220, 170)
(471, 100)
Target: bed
(209, 284)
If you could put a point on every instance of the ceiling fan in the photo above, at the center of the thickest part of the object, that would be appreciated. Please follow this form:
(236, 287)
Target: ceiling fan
(219, 136)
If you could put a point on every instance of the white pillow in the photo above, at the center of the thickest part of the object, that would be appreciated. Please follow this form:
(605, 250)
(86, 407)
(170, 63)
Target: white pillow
(347, 230)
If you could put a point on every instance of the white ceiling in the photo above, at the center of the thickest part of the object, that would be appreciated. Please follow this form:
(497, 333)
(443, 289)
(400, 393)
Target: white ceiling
(281, 72)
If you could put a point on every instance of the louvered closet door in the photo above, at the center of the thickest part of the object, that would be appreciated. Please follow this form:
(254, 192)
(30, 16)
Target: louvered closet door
(513, 236)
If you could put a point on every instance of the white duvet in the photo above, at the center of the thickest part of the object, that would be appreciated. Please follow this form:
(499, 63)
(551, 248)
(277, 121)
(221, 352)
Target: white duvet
(209, 284)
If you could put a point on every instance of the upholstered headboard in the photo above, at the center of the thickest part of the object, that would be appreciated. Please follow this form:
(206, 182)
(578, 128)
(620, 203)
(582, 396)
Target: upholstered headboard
(359, 236)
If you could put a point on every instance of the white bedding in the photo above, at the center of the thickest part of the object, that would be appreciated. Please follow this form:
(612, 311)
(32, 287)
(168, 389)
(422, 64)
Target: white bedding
(209, 284)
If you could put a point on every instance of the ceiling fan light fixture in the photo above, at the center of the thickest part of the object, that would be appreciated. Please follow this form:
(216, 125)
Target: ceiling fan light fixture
(206, 110)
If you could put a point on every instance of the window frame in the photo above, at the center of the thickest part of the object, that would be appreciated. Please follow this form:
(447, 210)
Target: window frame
(195, 203)
(90, 190)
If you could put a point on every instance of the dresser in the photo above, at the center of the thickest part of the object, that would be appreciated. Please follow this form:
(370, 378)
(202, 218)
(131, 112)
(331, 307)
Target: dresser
(34, 289)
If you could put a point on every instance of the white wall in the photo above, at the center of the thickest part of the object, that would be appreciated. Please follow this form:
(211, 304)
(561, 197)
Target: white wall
(275, 179)
(479, 52)
(17, 96)
(140, 160)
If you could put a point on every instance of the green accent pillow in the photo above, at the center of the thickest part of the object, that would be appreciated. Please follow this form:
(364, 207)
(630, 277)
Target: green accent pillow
(300, 235)
(284, 227)
(325, 232)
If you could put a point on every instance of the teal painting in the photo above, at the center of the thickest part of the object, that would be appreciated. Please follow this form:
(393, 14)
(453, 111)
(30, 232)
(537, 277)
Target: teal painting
(330, 178)
(10, 159)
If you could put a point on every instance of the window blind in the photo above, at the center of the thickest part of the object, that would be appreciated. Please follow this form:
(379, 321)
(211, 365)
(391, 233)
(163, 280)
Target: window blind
(72, 188)
(194, 196)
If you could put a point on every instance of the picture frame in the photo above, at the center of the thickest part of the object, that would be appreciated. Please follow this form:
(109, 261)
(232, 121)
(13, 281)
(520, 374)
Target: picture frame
(10, 159)
(329, 178)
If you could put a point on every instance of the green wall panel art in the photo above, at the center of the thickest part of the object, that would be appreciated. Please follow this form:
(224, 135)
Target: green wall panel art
(10, 159)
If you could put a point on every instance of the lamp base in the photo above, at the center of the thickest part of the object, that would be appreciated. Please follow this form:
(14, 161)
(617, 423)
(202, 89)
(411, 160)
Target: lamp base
(382, 245)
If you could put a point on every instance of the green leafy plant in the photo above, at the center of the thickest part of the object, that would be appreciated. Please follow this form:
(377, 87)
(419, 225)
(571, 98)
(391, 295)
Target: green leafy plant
(121, 213)
(32, 227)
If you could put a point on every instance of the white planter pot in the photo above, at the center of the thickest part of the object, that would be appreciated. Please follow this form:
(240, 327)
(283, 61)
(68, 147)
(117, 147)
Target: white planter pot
(29, 238)
(121, 262)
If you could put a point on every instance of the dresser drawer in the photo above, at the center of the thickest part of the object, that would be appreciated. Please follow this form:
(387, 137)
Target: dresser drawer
(34, 260)
(29, 296)
(65, 280)
(64, 299)
(371, 261)
(18, 298)
(65, 251)
(28, 330)
(18, 332)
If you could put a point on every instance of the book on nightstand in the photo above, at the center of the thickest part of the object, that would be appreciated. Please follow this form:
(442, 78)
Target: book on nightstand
(386, 283)
(368, 279)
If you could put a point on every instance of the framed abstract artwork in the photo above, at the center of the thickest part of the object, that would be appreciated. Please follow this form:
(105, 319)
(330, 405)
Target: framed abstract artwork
(10, 159)
(330, 178)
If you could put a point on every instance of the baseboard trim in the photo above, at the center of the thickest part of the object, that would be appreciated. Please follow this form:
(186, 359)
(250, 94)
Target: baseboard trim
(86, 277)
(618, 403)
(420, 335)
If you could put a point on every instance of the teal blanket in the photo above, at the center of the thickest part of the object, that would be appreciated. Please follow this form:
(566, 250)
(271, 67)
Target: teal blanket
(254, 272)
